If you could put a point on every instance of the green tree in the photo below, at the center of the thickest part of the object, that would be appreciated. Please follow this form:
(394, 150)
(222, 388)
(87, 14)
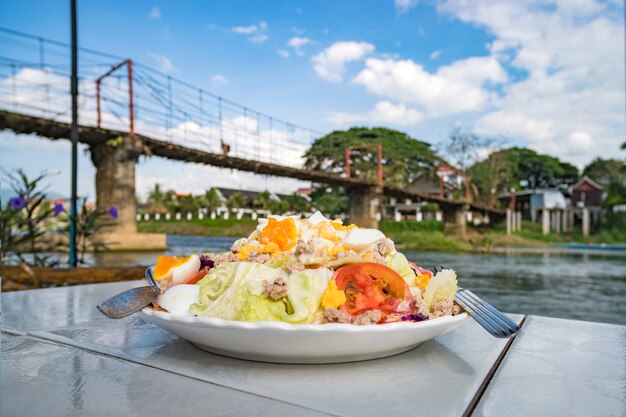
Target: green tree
(610, 173)
(605, 171)
(521, 168)
(404, 158)
(297, 204)
(236, 200)
(189, 203)
(211, 200)
(156, 195)
(332, 204)
(264, 201)
(279, 206)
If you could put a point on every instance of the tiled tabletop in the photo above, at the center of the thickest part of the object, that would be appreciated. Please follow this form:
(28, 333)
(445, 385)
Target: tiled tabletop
(144, 370)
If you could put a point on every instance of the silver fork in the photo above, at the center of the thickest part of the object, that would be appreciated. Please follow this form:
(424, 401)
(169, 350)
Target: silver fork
(486, 315)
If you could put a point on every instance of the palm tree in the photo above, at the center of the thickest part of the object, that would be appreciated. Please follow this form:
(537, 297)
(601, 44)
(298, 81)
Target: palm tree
(156, 195)
(263, 201)
(211, 200)
(237, 200)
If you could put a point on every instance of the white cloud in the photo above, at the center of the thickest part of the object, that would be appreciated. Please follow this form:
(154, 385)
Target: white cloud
(155, 13)
(196, 179)
(385, 112)
(403, 6)
(219, 80)
(297, 43)
(458, 87)
(283, 53)
(245, 136)
(246, 30)
(256, 33)
(435, 54)
(571, 101)
(260, 38)
(330, 64)
(164, 63)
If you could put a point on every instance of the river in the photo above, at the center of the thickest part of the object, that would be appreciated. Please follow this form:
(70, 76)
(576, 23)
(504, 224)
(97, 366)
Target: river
(581, 286)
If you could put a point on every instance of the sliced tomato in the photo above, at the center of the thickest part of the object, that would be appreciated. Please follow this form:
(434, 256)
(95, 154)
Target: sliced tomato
(371, 286)
(198, 276)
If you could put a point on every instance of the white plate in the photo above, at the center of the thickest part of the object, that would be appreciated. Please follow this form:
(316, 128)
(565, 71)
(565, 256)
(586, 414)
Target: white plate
(270, 341)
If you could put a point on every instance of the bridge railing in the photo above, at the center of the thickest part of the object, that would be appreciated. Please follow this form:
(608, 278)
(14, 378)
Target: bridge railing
(34, 79)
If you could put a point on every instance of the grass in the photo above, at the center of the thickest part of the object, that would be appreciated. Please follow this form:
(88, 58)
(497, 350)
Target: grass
(422, 236)
(195, 227)
(533, 232)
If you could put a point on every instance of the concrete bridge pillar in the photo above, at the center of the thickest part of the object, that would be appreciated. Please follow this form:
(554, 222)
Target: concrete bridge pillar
(364, 204)
(115, 162)
(454, 219)
(115, 182)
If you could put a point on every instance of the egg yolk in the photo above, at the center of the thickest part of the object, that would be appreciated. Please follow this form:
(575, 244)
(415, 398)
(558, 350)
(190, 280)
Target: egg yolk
(328, 233)
(333, 297)
(245, 251)
(282, 233)
(165, 264)
(422, 281)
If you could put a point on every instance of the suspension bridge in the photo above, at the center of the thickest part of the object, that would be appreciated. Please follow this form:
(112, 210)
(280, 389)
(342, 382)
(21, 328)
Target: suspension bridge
(127, 109)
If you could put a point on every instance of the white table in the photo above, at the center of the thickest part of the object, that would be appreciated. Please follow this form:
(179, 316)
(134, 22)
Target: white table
(60, 356)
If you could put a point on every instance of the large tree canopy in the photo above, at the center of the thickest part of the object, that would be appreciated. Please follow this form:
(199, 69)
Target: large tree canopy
(605, 171)
(404, 158)
(521, 168)
(611, 173)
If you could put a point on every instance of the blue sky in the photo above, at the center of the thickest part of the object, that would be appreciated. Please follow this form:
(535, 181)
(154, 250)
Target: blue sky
(549, 75)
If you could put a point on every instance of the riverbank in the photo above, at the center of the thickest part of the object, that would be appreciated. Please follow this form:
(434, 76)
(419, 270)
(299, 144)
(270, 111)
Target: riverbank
(408, 235)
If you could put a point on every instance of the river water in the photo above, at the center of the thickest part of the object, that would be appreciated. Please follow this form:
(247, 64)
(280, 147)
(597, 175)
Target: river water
(582, 286)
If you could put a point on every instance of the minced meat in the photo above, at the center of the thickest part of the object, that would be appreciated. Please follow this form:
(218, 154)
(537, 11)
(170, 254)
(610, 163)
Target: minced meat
(441, 308)
(346, 254)
(456, 309)
(420, 305)
(275, 290)
(368, 317)
(303, 247)
(228, 257)
(260, 259)
(293, 266)
(383, 247)
(332, 315)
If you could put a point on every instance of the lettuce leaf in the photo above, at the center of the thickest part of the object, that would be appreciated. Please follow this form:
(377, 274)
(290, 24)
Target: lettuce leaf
(400, 264)
(305, 290)
(440, 287)
(233, 291)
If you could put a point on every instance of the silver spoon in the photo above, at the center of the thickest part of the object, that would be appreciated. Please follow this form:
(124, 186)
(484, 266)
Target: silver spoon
(130, 301)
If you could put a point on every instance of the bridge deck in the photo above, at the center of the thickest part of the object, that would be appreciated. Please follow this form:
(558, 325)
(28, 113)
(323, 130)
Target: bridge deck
(25, 124)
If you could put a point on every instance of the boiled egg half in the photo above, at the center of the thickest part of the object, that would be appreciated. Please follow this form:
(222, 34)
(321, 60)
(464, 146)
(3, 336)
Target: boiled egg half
(177, 299)
(176, 270)
(359, 239)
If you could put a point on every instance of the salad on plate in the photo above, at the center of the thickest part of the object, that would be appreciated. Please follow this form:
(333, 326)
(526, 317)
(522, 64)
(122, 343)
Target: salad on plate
(306, 271)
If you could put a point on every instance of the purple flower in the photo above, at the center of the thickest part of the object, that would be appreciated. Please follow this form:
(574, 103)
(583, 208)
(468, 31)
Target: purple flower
(113, 212)
(17, 203)
(414, 317)
(58, 208)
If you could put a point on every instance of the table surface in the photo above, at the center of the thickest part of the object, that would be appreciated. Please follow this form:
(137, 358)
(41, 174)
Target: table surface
(55, 343)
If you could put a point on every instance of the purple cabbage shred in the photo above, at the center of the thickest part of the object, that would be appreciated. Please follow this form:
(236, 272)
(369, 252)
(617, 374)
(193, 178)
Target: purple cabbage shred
(414, 317)
(206, 262)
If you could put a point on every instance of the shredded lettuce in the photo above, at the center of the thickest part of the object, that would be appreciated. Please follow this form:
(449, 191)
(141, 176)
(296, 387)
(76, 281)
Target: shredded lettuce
(400, 264)
(234, 291)
(278, 261)
(440, 287)
(305, 292)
